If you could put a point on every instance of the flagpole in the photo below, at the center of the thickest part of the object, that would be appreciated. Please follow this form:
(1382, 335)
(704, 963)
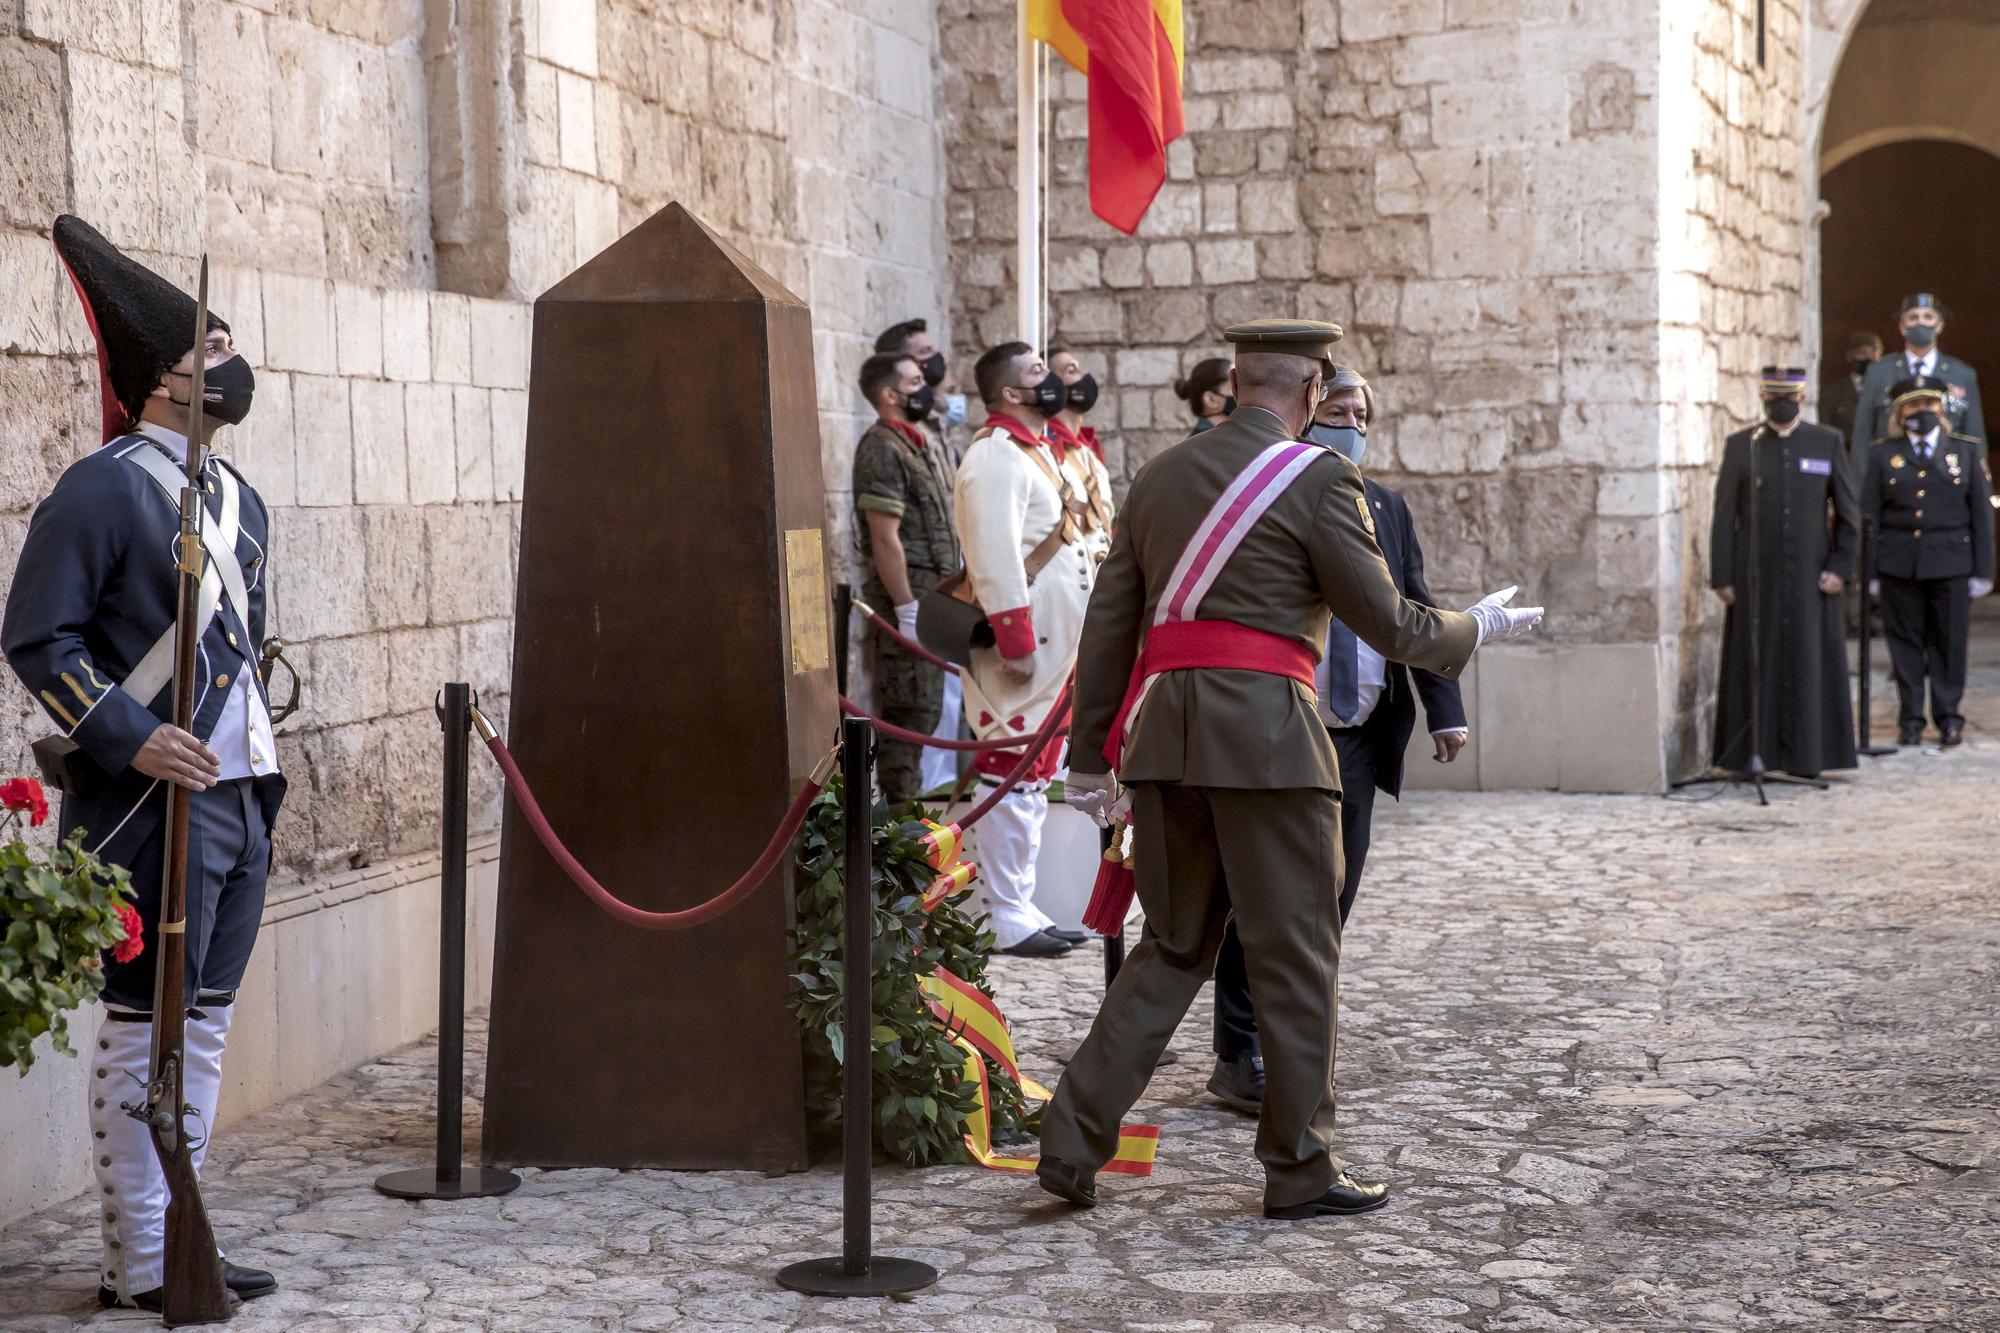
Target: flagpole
(1027, 189)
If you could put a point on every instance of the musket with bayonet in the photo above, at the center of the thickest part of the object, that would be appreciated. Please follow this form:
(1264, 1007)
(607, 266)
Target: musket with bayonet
(195, 1292)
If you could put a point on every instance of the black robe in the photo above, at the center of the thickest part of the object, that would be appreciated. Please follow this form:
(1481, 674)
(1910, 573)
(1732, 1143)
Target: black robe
(1805, 523)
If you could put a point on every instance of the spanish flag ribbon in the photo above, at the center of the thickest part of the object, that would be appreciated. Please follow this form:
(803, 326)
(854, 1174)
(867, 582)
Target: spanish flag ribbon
(978, 1028)
(942, 844)
(947, 884)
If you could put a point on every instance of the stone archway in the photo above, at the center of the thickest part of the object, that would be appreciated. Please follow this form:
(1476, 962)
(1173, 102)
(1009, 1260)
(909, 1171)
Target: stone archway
(1882, 75)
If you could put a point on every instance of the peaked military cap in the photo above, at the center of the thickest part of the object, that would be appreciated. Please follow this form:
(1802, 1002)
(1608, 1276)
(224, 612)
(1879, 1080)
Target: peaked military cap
(1919, 300)
(143, 324)
(1783, 379)
(1916, 386)
(1310, 338)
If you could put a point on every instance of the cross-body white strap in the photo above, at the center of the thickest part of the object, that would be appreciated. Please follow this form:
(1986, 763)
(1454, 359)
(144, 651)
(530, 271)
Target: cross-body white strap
(221, 572)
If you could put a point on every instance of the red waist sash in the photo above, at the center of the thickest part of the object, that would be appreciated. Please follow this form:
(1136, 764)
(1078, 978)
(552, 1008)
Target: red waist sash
(1206, 645)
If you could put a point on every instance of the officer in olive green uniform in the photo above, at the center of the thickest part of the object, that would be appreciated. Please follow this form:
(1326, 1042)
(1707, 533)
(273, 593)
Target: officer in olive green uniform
(1234, 782)
(903, 523)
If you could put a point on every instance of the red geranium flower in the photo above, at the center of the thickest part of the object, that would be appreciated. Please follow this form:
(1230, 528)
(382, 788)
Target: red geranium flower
(25, 794)
(134, 942)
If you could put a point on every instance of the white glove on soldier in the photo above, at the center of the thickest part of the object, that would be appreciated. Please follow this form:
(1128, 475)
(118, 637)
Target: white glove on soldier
(906, 619)
(1979, 588)
(1498, 621)
(1092, 793)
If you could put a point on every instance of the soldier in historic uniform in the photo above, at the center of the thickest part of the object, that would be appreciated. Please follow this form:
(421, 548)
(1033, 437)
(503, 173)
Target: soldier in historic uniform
(1922, 323)
(89, 629)
(1928, 502)
(909, 543)
(1194, 686)
(1069, 427)
(1795, 473)
(1033, 541)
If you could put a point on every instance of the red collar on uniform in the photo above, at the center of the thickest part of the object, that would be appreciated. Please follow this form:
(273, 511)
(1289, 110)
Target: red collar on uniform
(1063, 438)
(1088, 434)
(1013, 426)
(907, 431)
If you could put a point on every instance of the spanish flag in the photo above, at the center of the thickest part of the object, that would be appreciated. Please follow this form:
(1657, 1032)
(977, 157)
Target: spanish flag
(1131, 51)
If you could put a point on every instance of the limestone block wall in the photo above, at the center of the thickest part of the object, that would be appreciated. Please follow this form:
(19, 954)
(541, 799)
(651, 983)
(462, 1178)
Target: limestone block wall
(1472, 191)
(1734, 297)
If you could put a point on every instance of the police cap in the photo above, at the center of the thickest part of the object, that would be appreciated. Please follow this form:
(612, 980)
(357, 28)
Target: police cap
(1916, 386)
(1921, 301)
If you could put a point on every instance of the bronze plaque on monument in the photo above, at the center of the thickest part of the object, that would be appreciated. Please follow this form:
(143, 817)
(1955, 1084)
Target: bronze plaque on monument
(672, 690)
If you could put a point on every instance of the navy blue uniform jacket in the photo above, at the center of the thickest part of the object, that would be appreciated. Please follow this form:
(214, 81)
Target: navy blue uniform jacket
(95, 587)
(1395, 715)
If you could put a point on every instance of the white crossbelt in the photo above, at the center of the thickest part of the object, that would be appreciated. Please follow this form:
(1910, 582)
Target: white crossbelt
(221, 572)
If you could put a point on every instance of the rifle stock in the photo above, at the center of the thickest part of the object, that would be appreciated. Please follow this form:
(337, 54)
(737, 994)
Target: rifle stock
(194, 1290)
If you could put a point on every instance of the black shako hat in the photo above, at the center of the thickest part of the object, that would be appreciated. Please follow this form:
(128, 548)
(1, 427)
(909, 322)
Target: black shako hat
(142, 323)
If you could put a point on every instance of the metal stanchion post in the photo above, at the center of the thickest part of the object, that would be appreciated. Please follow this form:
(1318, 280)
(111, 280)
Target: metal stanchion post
(843, 616)
(857, 1270)
(1864, 720)
(449, 1178)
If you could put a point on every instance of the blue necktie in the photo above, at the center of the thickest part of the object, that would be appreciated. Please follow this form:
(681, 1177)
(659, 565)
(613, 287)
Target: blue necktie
(1343, 671)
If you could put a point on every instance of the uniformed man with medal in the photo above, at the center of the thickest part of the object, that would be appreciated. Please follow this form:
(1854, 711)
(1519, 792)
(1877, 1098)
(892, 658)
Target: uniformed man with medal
(1194, 688)
(1927, 500)
(1922, 323)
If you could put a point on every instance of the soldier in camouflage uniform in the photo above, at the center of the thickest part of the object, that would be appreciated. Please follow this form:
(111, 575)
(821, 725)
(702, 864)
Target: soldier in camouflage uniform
(903, 523)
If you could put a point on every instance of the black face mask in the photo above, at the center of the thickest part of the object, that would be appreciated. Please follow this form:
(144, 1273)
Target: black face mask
(1860, 365)
(227, 388)
(917, 406)
(1228, 403)
(1083, 394)
(933, 368)
(1048, 396)
(1781, 411)
(1920, 335)
(1921, 423)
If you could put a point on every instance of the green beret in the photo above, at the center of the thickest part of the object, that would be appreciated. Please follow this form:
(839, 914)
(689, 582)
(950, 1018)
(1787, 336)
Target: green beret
(1310, 338)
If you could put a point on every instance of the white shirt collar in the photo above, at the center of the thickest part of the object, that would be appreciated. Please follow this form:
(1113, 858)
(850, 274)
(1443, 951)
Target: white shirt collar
(175, 442)
(1923, 365)
(1929, 441)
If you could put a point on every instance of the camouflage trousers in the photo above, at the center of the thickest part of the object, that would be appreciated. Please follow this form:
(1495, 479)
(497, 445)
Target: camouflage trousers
(908, 693)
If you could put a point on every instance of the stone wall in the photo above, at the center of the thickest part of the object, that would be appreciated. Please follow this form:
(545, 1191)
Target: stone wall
(1470, 189)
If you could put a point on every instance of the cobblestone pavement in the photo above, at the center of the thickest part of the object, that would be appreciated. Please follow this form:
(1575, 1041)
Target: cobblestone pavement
(1629, 1063)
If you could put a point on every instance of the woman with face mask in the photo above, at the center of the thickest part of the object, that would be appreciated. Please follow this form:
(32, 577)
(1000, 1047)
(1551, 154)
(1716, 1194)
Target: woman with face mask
(1206, 392)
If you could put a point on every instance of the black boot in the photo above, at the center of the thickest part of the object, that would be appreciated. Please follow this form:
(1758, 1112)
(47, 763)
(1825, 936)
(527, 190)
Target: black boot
(249, 1283)
(1954, 734)
(1910, 733)
(1345, 1197)
(155, 1301)
(1239, 1083)
(1067, 1181)
(1041, 944)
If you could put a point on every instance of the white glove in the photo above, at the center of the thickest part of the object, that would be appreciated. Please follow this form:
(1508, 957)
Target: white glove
(1980, 587)
(1092, 793)
(1498, 621)
(1874, 587)
(906, 619)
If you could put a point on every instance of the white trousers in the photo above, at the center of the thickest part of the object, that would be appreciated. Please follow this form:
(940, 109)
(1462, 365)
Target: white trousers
(132, 1191)
(940, 767)
(1004, 845)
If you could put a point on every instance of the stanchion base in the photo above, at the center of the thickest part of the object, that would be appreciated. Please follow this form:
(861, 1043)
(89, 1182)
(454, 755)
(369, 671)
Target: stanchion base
(886, 1275)
(421, 1182)
(1877, 751)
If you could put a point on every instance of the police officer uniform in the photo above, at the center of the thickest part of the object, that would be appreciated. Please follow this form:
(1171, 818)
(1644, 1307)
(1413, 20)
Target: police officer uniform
(1928, 498)
(1874, 417)
(89, 629)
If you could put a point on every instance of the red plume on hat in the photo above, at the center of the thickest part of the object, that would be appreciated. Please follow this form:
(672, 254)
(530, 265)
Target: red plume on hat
(140, 320)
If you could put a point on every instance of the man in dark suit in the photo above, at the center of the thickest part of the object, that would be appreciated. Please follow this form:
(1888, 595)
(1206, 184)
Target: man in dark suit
(1840, 392)
(1369, 710)
(1922, 324)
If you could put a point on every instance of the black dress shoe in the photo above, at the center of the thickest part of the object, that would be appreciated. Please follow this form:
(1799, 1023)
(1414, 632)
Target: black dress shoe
(1954, 734)
(155, 1301)
(1909, 735)
(1041, 944)
(1345, 1197)
(1239, 1083)
(1067, 1182)
(249, 1283)
(1069, 937)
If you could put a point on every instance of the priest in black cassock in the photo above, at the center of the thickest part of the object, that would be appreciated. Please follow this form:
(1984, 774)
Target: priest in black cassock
(1780, 567)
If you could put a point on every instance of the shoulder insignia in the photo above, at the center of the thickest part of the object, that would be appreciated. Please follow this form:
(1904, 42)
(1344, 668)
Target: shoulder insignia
(1367, 519)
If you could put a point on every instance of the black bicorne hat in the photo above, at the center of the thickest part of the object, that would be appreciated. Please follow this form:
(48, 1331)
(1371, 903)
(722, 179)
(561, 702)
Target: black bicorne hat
(143, 323)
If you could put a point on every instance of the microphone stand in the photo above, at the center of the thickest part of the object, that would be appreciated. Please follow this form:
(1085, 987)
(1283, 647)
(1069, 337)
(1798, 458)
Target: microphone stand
(1864, 722)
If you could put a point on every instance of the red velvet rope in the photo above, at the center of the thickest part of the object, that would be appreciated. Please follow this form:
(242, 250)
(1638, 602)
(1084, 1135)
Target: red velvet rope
(890, 731)
(781, 841)
(901, 640)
